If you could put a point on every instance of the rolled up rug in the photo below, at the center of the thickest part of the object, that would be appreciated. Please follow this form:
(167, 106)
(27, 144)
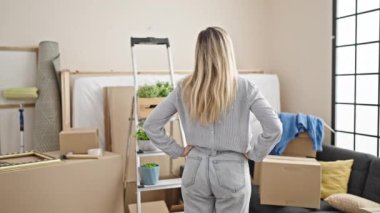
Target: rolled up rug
(48, 105)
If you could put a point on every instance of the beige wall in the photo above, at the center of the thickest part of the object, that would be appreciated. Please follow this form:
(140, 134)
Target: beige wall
(299, 50)
(289, 37)
(94, 34)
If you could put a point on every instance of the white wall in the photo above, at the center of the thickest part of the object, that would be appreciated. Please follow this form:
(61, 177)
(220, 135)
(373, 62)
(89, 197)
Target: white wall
(94, 34)
(289, 37)
(17, 69)
(299, 50)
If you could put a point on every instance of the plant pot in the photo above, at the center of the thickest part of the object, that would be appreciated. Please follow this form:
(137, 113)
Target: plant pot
(146, 145)
(149, 176)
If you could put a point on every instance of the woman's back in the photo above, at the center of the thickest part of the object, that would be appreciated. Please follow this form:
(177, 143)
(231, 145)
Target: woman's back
(214, 106)
(230, 132)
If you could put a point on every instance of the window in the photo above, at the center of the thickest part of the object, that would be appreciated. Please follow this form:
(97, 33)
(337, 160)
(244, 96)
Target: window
(356, 98)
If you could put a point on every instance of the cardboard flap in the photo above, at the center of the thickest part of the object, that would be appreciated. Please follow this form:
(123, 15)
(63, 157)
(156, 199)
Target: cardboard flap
(291, 160)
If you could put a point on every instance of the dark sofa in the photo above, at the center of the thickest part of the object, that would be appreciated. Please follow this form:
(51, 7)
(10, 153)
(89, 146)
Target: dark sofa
(364, 181)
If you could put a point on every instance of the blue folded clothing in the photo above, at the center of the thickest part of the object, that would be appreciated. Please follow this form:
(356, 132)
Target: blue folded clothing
(293, 124)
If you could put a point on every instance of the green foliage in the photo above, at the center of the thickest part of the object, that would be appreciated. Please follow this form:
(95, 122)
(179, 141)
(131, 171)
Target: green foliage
(161, 89)
(148, 91)
(141, 135)
(164, 88)
(150, 165)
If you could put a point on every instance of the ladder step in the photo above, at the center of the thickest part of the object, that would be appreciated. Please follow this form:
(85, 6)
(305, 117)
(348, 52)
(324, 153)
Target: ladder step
(150, 153)
(162, 184)
(150, 40)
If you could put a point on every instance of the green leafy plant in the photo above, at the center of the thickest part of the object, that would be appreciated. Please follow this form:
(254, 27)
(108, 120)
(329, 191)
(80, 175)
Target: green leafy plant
(149, 165)
(164, 89)
(141, 135)
(148, 91)
(161, 89)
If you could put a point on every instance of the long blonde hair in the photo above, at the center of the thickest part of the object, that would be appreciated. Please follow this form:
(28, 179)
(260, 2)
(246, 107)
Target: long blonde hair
(211, 88)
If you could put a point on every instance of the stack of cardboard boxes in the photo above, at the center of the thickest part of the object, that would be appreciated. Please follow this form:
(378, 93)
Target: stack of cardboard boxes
(76, 186)
(292, 179)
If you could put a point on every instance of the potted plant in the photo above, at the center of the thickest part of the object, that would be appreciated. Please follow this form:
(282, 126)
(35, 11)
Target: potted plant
(164, 88)
(143, 141)
(149, 173)
(151, 95)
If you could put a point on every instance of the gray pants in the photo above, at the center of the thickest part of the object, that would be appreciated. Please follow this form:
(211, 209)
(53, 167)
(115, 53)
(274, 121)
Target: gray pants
(216, 182)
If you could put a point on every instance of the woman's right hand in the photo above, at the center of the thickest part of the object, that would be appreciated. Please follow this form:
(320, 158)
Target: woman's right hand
(246, 156)
(187, 150)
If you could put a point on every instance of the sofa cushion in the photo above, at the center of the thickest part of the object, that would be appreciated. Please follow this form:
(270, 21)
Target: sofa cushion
(359, 168)
(372, 186)
(350, 203)
(333, 211)
(335, 176)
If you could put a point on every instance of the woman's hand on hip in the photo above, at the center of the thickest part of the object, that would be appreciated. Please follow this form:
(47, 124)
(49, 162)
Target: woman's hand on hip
(187, 150)
(246, 156)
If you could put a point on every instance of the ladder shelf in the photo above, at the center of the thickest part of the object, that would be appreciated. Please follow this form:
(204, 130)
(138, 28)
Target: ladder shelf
(162, 184)
(136, 117)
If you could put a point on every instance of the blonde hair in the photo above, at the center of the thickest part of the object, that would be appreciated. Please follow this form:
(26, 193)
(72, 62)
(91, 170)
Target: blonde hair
(211, 88)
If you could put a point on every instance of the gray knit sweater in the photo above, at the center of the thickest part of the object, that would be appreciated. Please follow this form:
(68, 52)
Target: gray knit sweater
(229, 133)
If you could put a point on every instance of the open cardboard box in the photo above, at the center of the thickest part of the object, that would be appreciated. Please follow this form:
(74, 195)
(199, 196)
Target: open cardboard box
(290, 181)
(301, 146)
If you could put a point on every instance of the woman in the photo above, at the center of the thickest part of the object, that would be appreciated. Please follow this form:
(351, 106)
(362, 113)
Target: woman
(214, 105)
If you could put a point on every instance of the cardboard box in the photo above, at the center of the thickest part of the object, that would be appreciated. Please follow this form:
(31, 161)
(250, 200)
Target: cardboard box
(290, 181)
(302, 146)
(257, 174)
(78, 141)
(74, 186)
(146, 105)
(156, 207)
